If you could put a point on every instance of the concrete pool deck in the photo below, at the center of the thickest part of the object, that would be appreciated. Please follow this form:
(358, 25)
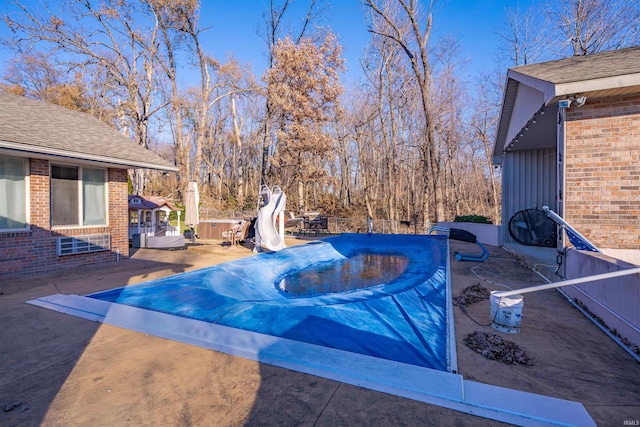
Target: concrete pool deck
(69, 371)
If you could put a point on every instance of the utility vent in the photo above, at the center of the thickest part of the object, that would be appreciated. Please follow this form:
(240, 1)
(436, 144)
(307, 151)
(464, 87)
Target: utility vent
(83, 244)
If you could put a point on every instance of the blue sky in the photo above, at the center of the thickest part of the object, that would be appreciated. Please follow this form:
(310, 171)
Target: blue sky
(233, 29)
(474, 23)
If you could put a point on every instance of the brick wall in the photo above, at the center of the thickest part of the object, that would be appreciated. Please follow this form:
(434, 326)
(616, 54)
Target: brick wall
(602, 160)
(34, 251)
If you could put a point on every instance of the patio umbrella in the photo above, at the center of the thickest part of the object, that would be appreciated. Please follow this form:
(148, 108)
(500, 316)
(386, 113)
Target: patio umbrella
(192, 200)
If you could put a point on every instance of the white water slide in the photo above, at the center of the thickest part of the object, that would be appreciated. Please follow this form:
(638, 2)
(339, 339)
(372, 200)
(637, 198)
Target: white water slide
(267, 236)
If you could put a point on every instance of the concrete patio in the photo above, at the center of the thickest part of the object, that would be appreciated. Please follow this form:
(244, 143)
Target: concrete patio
(63, 370)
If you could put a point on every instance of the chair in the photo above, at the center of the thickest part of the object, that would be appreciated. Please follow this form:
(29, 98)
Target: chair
(292, 221)
(237, 233)
(317, 225)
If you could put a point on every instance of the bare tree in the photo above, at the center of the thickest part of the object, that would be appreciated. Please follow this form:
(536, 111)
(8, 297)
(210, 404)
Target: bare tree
(344, 160)
(104, 39)
(484, 121)
(388, 85)
(403, 148)
(169, 16)
(403, 22)
(449, 125)
(192, 110)
(524, 36)
(34, 75)
(591, 26)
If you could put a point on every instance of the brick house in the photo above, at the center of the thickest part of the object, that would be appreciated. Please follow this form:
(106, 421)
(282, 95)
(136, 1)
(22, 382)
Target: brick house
(569, 138)
(63, 187)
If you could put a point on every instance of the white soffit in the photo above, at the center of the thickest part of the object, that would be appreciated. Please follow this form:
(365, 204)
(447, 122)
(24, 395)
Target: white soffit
(614, 82)
(546, 88)
(527, 103)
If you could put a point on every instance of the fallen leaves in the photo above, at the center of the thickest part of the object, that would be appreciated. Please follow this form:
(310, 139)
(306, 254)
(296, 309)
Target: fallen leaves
(494, 347)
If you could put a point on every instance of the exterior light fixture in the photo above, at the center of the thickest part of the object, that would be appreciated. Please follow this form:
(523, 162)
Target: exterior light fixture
(579, 102)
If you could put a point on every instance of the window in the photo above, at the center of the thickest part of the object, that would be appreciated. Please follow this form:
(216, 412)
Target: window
(13, 194)
(78, 196)
(93, 185)
(64, 196)
(133, 218)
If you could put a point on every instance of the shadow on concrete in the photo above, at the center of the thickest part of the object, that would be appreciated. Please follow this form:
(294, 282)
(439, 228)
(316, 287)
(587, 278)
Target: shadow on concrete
(40, 348)
(287, 397)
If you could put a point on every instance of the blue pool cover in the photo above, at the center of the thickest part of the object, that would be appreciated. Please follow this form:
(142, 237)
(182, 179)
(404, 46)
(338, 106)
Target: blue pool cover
(404, 320)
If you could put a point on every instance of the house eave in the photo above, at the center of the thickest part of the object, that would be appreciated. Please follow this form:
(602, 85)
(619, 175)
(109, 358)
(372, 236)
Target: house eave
(504, 134)
(46, 153)
(614, 83)
(554, 92)
(547, 88)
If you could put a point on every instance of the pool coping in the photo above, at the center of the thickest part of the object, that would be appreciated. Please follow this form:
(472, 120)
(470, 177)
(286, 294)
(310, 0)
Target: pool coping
(452, 356)
(446, 389)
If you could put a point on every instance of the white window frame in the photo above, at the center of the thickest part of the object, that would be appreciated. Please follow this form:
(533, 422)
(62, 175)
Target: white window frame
(27, 198)
(81, 198)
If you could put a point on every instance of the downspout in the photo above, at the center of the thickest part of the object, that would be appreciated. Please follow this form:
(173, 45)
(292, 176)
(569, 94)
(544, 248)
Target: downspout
(503, 202)
(560, 173)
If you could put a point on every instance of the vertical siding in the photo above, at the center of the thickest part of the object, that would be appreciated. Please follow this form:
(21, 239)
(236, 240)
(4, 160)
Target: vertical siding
(528, 181)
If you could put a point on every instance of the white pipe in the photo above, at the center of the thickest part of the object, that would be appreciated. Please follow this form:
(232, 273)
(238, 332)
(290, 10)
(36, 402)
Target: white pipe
(570, 282)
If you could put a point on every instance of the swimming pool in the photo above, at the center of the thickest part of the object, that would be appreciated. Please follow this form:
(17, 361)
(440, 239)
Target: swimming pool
(395, 337)
(402, 317)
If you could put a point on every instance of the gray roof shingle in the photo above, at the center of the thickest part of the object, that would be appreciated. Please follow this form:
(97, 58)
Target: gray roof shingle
(36, 127)
(582, 68)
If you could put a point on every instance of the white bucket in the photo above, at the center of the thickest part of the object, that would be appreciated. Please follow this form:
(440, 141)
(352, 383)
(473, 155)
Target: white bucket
(506, 312)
